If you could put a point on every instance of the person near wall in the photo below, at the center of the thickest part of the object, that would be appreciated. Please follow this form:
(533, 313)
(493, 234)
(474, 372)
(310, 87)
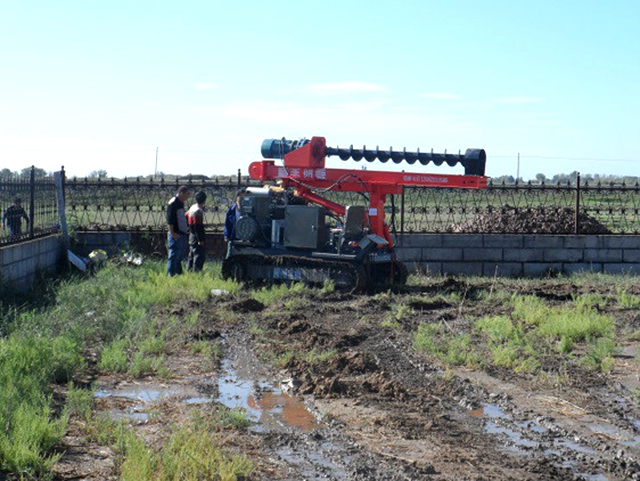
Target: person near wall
(233, 214)
(12, 218)
(195, 219)
(178, 231)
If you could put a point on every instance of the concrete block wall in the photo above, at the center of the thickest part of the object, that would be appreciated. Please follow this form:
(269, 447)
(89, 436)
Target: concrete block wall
(20, 263)
(471, 254)
(520, 255)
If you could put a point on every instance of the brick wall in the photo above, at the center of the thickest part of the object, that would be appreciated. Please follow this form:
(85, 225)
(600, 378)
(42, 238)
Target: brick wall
(520, 255)
(20, 263)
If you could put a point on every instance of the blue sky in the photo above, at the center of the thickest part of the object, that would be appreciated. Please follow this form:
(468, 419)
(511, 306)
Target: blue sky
(99, 85)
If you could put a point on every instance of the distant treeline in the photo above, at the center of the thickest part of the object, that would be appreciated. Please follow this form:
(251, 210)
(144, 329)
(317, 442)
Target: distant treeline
(569, 178)
(502, 179)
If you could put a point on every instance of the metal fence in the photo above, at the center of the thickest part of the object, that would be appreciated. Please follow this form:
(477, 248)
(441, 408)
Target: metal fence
(29, 207)
(139, 204)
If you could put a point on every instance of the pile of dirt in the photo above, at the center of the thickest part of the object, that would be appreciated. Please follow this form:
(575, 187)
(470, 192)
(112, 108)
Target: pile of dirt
(530, 220)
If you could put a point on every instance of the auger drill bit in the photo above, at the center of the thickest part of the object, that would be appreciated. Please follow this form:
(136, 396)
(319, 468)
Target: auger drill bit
(473, 160)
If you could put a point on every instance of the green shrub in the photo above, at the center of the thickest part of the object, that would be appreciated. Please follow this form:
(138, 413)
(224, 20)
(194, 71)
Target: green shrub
(190, 454)
(114, 357)
(449, 348)
(236, 417)
(599, 355)
(142, 364)
(626, 300)
(79, 401)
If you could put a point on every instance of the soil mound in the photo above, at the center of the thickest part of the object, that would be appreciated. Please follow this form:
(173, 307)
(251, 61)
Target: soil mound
(531, 220)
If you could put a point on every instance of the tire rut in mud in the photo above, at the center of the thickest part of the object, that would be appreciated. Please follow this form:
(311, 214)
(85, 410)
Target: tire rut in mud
(486, 434)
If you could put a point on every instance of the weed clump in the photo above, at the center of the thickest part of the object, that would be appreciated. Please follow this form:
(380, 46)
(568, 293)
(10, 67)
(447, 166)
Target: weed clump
(521, 340)
(190, 453)
(454, 349)
(272, 294)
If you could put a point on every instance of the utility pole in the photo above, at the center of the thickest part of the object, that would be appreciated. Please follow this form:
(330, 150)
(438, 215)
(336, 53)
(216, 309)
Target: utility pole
(155, 172)
(518, 172)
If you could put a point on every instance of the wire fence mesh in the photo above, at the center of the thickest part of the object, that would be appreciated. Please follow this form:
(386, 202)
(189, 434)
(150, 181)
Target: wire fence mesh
(29, 207)
(139, 205)
(570, 208)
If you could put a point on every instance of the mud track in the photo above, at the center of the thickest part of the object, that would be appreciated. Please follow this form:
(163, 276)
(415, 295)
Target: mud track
(334, 394)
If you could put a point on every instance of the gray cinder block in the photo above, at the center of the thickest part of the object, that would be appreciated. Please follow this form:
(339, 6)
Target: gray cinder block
(544, 242)
(503, 240)
(462, 268)
(603, 255)
(483, 254)
(442, 254)
(541, 269)
(502, 269)
(563, 255)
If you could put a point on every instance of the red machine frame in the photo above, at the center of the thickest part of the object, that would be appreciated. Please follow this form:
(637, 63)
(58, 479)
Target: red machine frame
(304, 169)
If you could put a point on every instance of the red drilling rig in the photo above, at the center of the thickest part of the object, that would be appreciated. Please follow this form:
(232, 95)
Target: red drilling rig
(283, 233)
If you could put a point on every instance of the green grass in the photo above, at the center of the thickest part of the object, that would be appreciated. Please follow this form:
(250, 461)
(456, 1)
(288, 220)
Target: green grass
(278, 292)
(316, 356)
(236, 418)
(520, 340)
(208, 350)
(114, 356)
(599, 355)
(590, 301)
(191, 453)
(626, 300)
(28, 364)
(113, 313)
(454, 349)
(79, 401)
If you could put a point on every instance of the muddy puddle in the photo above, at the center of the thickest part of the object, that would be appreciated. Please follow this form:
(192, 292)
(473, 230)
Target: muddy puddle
(308, 447)
(134, 400)
(267, 405)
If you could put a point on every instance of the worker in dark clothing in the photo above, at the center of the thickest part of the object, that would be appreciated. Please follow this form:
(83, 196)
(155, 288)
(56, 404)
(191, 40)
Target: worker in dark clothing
(178, 231)
(12, 218)
(195, 219)
(233, 214)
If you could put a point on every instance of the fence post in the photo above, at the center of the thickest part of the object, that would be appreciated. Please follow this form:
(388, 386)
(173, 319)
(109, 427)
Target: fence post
(62, 216)
(63, 176)
(32, 200)
(577, 218)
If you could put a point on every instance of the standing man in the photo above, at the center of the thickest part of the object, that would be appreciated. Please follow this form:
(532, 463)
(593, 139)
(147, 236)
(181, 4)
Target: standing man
(195, 219)
(13, 216)
(233, 214)
(178, 231)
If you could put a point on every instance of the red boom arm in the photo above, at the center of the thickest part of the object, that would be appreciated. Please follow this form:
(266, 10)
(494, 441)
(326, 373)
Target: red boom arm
(304, 169)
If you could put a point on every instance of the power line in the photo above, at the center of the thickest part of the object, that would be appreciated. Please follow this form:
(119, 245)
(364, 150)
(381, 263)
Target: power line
(523, 156)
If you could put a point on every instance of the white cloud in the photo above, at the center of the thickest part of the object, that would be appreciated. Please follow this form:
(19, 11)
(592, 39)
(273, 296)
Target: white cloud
(345, 87)
(518, 100)
(440, 95)
(206, 86)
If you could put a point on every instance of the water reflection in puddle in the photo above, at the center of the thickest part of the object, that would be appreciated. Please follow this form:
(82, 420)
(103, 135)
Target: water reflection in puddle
(490, 411)
(264, 403)
(139, 392)
(515, 438)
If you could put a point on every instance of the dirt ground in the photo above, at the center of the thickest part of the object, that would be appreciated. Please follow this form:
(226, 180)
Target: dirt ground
(335, 393)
